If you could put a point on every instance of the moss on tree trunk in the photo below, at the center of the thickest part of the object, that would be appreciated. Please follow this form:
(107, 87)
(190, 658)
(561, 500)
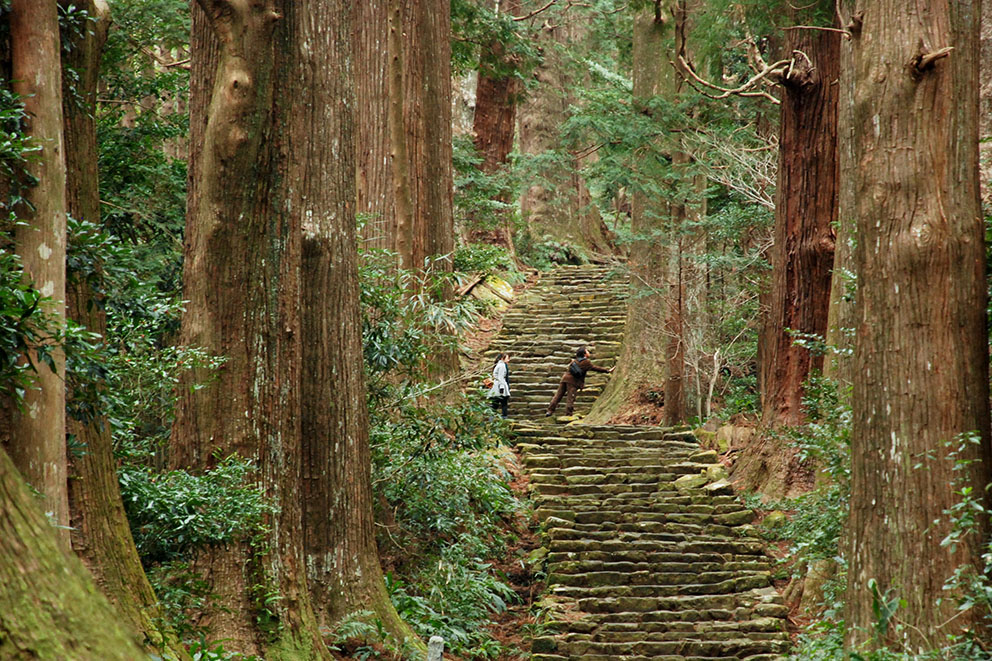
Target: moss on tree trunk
(49, 606)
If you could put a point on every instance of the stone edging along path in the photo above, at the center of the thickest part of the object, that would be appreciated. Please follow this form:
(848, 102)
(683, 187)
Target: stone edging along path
(649, 554)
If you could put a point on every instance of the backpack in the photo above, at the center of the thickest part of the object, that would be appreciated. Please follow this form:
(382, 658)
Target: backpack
(575, 370)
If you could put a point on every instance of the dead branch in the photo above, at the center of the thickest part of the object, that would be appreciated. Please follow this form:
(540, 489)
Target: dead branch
(846, 33)
(925, 61)
(699, 83)
(535, 12)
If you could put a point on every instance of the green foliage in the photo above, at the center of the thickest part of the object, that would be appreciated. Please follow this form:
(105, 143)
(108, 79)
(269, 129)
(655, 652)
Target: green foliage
(545, 254)
(482, 201)
(202, 650)
(175, 512)
(142, 126)
(25, 328)
(435, 463)
(406, 318)
(483, 39)
(130, 375)
(459, 596)
(181, 593)
(16, 151)
(487, 259)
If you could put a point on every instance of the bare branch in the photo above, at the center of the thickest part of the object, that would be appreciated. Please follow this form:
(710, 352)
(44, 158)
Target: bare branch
(744, 90)
(925, 61)
(846, 33)
(535, 12)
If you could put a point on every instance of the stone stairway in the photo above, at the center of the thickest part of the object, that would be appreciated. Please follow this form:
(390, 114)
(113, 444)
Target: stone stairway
(649, 555)
(571, 307)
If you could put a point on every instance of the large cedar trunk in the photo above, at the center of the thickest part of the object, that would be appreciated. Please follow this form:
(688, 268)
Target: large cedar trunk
(805, 213)
(642, 361)
(339, 532)
(37, 434)
(100, 534)
(374, 190)
(494, 123)
(921, 348)
(561, 211)
(427, 116)
(242, 270)
(418, 115)
(49, 607)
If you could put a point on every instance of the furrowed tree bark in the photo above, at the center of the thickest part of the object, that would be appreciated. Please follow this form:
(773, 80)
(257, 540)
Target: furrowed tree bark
(37, 435)
(242, 279)
(374, 189)
(494, 123)
(805, 214)
(921, 347)
(642, 361)
(339, 531)
(49, 606)
(427, 117)
(399, 150)
(100, 534)
(838, 365)
(403, 130)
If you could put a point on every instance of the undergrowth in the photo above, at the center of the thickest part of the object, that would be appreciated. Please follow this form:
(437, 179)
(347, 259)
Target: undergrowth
(444, 503)
(814, 531)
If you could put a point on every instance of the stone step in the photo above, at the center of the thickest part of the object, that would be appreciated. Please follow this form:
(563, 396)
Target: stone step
(734, 648)
(565, 565)
(656, 565)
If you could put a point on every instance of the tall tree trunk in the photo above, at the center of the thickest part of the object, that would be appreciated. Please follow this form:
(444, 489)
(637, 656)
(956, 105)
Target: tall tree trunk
(242, 270)
(805, 213)
(428, 129)
(372, 65)
(673, 336)
(419, 120)
(398, 72)
(642, 361)
(921, 346)
(37, 437)
(838, 365)
(49, 607)
(495, 121)
(560, 209)
(100, 534)
(342, 559)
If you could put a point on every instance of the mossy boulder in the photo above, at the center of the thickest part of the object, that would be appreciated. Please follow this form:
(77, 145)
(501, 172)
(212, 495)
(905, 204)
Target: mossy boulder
(774, 520)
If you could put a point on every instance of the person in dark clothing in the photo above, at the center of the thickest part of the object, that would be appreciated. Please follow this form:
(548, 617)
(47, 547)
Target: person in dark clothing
(574, 379)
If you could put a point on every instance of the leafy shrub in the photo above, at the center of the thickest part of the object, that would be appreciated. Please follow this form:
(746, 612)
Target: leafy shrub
(547, 253)
(484, 258)
(442, 490)
(181, 592)
(25, 328)
(175, 512)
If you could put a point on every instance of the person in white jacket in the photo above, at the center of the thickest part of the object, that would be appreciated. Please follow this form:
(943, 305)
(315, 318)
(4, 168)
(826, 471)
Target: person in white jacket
(499, 394)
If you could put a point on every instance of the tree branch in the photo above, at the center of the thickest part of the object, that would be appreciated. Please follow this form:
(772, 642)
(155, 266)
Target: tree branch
(846, 33)
(699, 83)
(533, 13)
(925, 61)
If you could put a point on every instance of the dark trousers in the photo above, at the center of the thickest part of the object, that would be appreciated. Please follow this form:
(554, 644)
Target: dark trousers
(568, 390)
(499, 403)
